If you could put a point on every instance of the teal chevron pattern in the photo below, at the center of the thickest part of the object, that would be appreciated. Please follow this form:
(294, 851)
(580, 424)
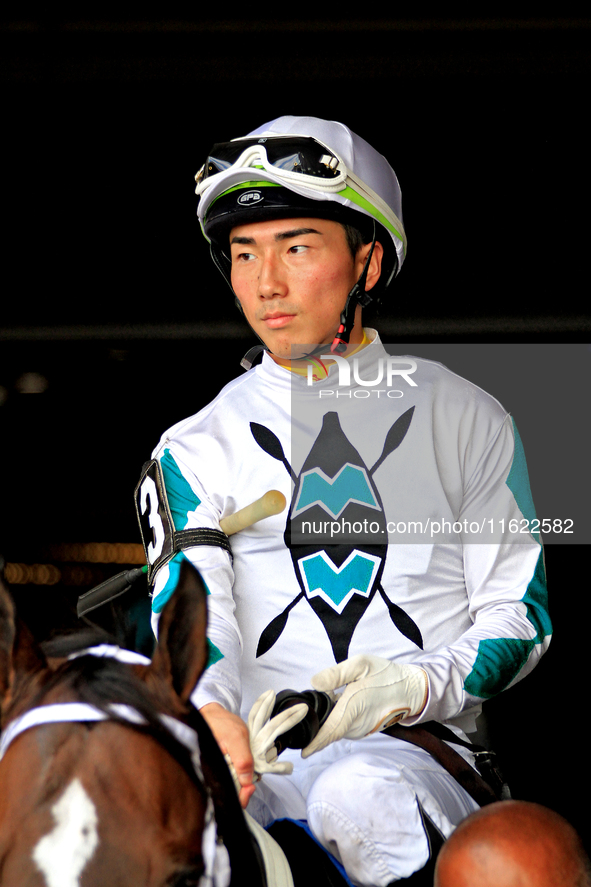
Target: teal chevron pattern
(336, 585)
(334, 494)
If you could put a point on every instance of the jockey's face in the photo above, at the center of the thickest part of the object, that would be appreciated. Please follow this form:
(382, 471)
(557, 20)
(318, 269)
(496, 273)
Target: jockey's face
(292, 278)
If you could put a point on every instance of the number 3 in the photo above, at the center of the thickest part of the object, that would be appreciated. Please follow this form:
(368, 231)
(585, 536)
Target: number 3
(149, 499)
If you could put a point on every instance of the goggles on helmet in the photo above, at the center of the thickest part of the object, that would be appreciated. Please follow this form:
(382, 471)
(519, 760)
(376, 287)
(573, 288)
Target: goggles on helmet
(299, 158)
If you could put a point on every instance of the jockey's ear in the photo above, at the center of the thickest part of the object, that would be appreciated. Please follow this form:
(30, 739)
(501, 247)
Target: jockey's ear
(20, 655)
(181, 652)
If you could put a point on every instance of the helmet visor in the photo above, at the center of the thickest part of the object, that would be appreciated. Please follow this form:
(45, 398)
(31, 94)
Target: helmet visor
(299, 157)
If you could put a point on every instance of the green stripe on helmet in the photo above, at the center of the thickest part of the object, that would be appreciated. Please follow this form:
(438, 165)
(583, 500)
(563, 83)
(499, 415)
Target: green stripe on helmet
(354, 197)
(348, 193)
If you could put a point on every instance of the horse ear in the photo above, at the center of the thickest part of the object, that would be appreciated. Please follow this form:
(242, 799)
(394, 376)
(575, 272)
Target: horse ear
(181, 652)
(19, 652)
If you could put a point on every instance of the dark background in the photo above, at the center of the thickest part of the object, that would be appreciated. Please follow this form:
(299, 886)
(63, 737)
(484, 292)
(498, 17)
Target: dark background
(114, 323)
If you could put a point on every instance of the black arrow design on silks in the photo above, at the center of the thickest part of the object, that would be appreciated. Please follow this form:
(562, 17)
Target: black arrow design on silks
(339, 579)
(401, 620)
(270, 443)
(405, 625)
(394, 437)
(275, 627)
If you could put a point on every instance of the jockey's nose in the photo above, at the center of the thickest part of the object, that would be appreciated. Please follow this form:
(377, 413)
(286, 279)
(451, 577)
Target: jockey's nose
(272, 279)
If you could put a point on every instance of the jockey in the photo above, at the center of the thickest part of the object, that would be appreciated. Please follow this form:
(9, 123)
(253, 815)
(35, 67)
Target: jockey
(374, 586)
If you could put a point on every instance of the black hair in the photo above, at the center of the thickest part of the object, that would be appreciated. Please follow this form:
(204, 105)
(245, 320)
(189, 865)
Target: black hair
(355, 239)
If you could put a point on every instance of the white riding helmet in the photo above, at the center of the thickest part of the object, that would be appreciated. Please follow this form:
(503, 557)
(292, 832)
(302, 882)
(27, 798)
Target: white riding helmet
(301, 166)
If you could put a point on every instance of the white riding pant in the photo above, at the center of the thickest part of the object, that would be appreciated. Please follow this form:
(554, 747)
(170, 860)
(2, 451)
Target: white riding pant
(361, 801)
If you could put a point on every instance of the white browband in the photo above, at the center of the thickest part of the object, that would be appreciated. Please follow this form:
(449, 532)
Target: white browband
(80, 712)
(83, 712)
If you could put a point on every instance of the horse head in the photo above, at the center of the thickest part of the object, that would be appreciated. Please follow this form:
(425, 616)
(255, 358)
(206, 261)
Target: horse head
(114, 800)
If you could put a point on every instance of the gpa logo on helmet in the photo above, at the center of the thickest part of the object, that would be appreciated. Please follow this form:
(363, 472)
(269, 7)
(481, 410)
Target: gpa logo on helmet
(250, 197)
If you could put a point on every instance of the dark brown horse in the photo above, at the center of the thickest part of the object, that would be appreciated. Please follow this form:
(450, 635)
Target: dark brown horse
(115, 797)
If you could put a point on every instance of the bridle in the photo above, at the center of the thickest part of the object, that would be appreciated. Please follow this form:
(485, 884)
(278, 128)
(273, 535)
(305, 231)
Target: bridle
(225, 839)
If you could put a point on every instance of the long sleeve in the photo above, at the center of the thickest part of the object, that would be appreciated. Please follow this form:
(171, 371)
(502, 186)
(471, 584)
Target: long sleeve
(190, 509)
(505, 584)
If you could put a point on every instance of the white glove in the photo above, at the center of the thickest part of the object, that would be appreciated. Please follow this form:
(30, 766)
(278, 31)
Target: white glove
(264, 732)
(378, 693)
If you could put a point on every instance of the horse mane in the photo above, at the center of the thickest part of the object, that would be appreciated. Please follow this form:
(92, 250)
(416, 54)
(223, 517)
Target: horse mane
(101, 681)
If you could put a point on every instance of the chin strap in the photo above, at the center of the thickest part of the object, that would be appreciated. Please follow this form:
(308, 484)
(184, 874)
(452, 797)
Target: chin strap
(252, 355)
(357, 295)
